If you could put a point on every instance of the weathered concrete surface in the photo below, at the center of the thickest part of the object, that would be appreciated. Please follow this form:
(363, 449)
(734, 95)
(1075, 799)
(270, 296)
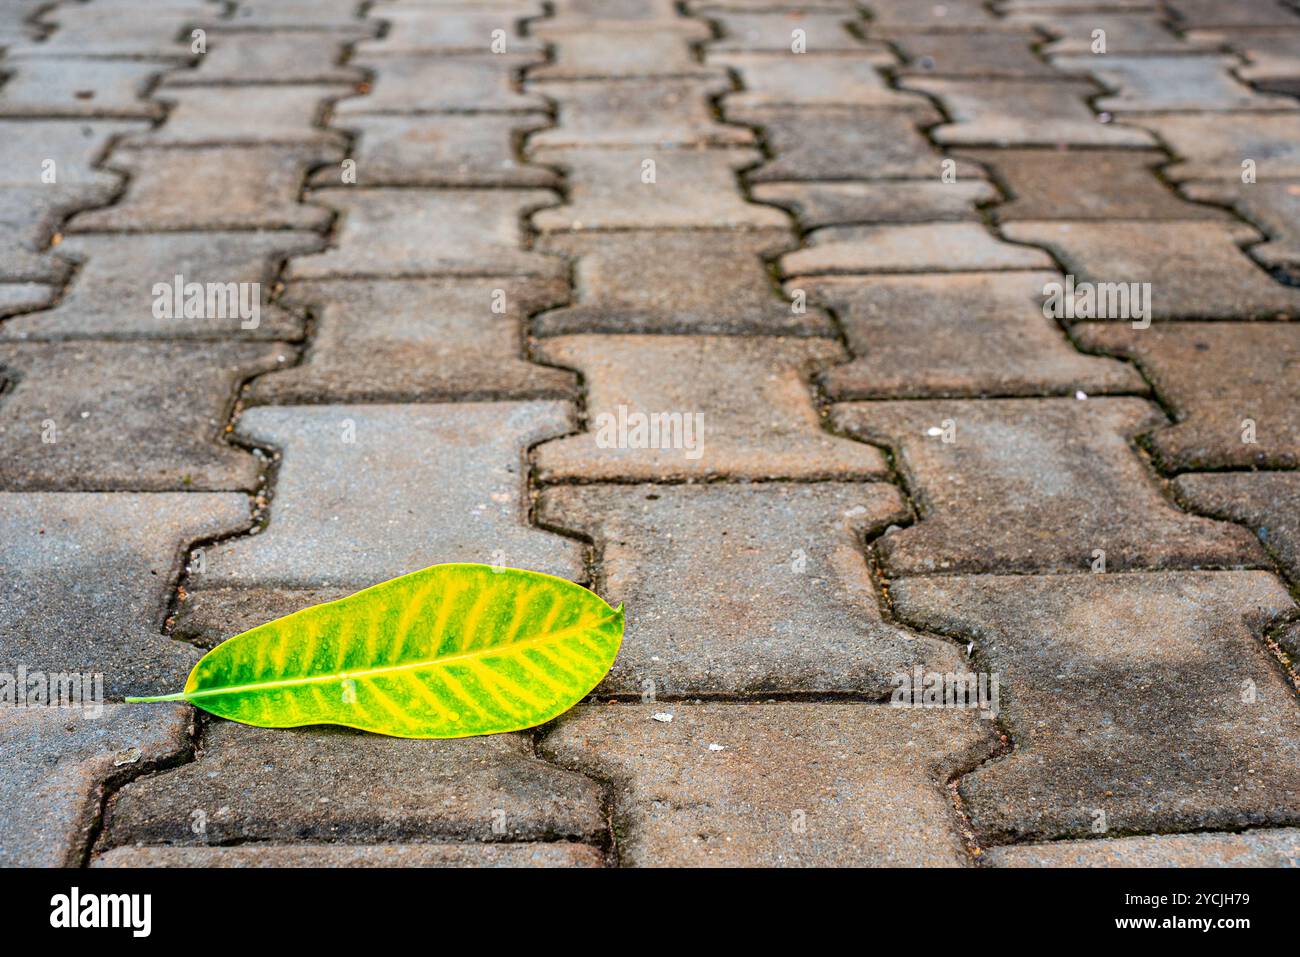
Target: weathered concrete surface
(357, 855)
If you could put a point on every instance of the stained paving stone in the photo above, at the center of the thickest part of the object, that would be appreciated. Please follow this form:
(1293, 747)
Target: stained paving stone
(86, 579)
(1196, 269)
(747, 400)
(690, 189)
(776, 784)
(24, 296)
(676, 281)
(1217, 378)
(1256, 848)
(74, 146)
(217, 187)
(776, 569)
(967, 335)
(295, 56)
(1274, 207)
(637, 112)
(897, 201)
(889, 16)
(1200, 14)
(390, 233)
(423, 84)
(76, 87)
(1136, 702)
(525, 854)
(58, 764)
(445, 150)
(295, 785)
(270, 113)
(1022, 113)
(840, 143)
(29, 220)
(1273, 55)
(1035, 485)
(1215, 147)
(417, 340)
(616, 49)
(370, 492)
(128, 416)
(1086, 184)
(909, 247)
(1001, 55)
(437, 31)
(113, 295)
(773, 30)
(810, 79)
(1141, 31)
(1168, 84)
(1267, 502)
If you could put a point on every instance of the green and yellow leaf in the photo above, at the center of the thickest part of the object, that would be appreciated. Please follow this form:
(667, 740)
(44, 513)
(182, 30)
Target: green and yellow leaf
(447, 652)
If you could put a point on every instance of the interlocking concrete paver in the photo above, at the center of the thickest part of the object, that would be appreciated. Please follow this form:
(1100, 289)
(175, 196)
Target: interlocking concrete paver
(775, 570)
(24, 297)
(295, 14)
(209, 616)
(135, 416)
(1268, 502)
(810, 79)
(215, 187)
(773, 30)
(1233, 388)
(294, 56)
(439, 31)
(964, 335)
(1035, 485)
(614, 49)
(57, 764)
(1195, 269)
(746, 401)
(889, 16)
(909, 247)
(1216, 147)
(1167, 84)
(679, 281)
(99, 30)
(258, 784)
(644, 188)
(1000, 55)
(1273, 207)
(417, 340)
(71, 149)
(776, 784)
(392, 233)
(1199, 14)
(114, 293)
(85, 578)
(370, 492)
(76, 87)
(1256, 848)
(1141, 31)
(895, 201)
(443, 84)
(1141, 702)
(1272, 55)
(585, 11)
(523, 854)
(29, 219)
(228, 115)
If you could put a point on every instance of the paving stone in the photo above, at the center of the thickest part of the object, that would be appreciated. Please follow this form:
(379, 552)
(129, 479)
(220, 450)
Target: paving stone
(24, 297)
(1035, 485)
(1003, 55)
(58, 764)
(100, 89)
(1168, 84)
(691, 189)
(440, 31)
(295, 14)
(1135, 702)
(296, 56)
(527, 854)
(98, 30)
(748, 399)
(789, 783)
(704, 8)
(1267, 848)
(417, 340)
(587, 10)
(1141, 31)
(616, 49)
(1215, 376)
(1022, 113)
(130, 416)
(333, 784)
(230, 115)
(897, 201)
(811, 79)
(1012, 7)
(1268, 502)
(113, 295)
(1214, 146)
(1086, 184)
(909, 247)
(417, 485)
(830, 143)
(890, 16)
(209, 616)
(637, 112)
(1273, 55)
(86, 578)
(1199, 14)
(1274, 207)
(773, 30)
(402, 233)
(446, 150)
(456, 84)
(74, 146)
(29, 219)
(1195, 269)
(215, 187)
(775, 569)
(966, 335)
(711, 282)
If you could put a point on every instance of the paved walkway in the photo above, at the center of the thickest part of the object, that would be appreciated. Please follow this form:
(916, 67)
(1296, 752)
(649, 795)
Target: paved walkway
(733, 310)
